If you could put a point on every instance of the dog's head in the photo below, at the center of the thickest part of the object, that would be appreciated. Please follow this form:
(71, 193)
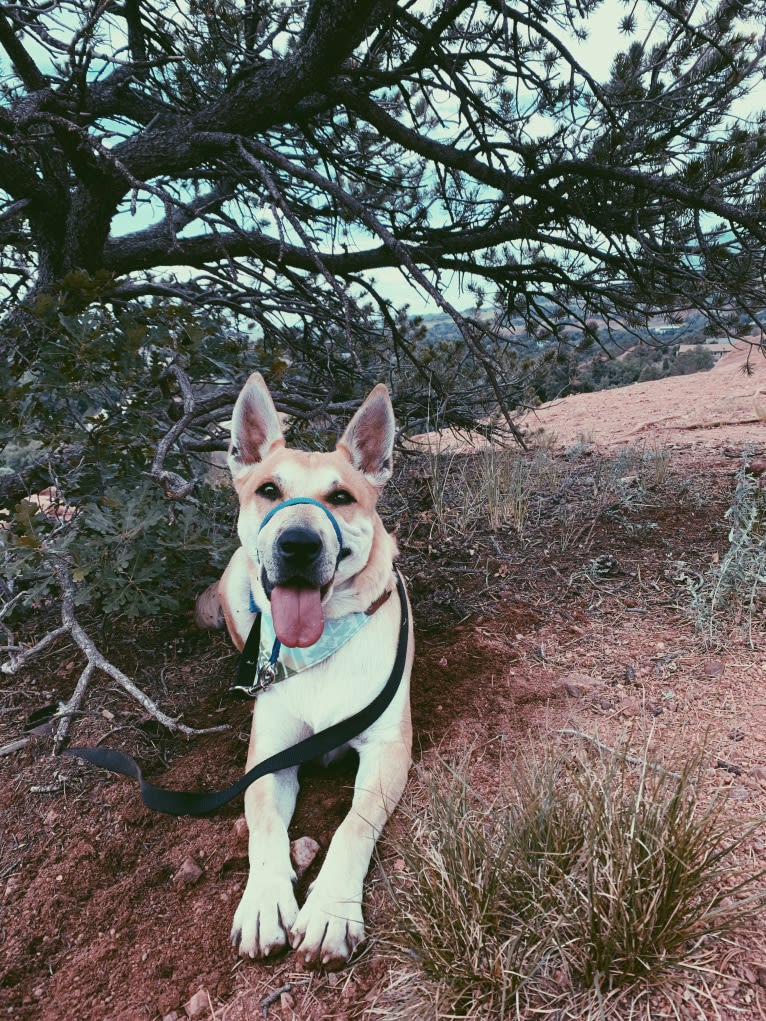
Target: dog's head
(303, 550)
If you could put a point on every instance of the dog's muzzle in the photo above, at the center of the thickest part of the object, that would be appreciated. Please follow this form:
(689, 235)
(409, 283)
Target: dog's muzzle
(296, 587)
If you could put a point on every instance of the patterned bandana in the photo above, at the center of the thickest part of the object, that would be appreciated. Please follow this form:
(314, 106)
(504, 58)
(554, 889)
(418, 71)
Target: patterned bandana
(337, 631)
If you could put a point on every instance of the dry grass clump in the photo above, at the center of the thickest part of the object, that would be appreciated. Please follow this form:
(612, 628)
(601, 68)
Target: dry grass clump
(592, 882)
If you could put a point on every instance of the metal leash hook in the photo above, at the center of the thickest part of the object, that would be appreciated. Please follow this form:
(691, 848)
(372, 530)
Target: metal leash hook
(264, 675)
(267, 674)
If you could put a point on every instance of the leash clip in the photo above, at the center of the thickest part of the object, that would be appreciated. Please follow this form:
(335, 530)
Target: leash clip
(267, 674)
(265, 677)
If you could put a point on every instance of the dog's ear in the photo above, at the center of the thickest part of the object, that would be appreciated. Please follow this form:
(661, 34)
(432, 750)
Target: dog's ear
(368, 441)
(255, 428)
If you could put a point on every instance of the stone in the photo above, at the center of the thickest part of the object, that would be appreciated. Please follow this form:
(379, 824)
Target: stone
(198, 1005)
(188, 874)
(632, 707)
(302, 853)
(576, 685)
(12, 886)
(713, 668)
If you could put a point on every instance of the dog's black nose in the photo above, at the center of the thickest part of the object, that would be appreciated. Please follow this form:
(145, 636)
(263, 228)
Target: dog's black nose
(299, 545)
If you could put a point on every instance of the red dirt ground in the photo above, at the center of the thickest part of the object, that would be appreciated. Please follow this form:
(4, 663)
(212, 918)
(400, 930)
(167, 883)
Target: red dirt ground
(519, 637)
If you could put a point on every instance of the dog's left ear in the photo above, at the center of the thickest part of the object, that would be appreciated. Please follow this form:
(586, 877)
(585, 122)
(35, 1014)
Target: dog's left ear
(368, 441)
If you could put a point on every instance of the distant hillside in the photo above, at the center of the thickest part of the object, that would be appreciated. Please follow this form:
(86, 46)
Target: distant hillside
(616, 359)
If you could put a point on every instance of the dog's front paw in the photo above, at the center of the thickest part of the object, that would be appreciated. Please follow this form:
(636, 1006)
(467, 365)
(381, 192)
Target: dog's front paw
(264, 917)
(328, 930)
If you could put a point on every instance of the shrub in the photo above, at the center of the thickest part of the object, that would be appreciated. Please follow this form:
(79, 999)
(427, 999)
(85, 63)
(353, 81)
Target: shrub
(85, 419)
(734, 589)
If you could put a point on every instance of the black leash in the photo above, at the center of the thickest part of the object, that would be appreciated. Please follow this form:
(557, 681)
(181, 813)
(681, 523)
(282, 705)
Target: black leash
(203, 802)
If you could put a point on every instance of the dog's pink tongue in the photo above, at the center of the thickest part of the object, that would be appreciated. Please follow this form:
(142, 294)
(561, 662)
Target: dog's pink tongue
(297, 615)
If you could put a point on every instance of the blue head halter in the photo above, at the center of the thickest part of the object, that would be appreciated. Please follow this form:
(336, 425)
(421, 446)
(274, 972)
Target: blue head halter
(267, 672)
(314, 503)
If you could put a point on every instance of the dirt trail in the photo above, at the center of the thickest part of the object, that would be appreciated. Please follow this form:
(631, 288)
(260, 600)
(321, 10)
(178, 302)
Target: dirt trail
(722, 407)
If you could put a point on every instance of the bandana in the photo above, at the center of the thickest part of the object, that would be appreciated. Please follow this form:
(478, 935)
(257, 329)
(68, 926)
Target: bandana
(337, 631)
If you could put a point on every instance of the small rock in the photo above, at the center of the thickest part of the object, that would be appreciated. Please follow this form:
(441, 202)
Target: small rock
(757, 773)
(198, 1005)
(172, 1016)
(12, 886)
(167, 1002)
(632, 707)
(302, 852)
(239, 829)
(286, 1001)
(713, 668)
(188, 874)
(576, 685)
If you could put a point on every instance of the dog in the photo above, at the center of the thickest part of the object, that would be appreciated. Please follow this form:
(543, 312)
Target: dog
(314, 558)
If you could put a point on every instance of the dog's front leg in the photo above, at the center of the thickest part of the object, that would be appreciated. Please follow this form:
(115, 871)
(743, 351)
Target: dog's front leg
(268, 907)
(330, 926)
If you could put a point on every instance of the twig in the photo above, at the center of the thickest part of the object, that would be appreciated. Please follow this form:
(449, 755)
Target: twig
(632, 759)
(95, 661)
(288, 987)
(14, 746)
(175, 487)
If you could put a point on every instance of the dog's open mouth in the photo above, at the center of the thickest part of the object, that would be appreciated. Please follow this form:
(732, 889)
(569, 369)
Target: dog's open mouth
(296, 610)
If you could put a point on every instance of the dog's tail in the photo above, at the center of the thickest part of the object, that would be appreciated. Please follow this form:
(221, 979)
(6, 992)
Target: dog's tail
(208, 612)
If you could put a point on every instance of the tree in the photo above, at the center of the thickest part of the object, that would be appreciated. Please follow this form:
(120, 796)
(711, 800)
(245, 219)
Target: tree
(269, 158)
(189, 187)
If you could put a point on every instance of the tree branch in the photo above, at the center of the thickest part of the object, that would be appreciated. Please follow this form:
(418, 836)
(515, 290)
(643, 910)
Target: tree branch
(94, 661)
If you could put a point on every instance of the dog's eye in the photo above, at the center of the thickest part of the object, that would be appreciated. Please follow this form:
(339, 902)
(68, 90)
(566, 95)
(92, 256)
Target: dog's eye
(268, 491)
(340, 498)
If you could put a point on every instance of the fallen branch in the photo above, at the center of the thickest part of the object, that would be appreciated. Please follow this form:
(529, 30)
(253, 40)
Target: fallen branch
(272, 998)
(14, 746)
(94, 661)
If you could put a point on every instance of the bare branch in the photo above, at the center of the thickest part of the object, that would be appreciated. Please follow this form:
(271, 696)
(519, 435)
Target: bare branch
(94, 661)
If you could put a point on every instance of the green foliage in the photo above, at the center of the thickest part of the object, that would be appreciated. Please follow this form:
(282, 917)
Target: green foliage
(96, 402)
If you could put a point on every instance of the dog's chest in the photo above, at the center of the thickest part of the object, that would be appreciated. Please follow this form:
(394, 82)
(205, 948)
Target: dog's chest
(343, 682)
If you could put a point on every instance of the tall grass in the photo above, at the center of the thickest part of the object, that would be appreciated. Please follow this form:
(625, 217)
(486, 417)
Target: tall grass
(501, 488)
(593, 880)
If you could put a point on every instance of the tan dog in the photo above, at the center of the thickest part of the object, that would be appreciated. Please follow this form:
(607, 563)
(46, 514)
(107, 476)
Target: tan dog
(310, 580)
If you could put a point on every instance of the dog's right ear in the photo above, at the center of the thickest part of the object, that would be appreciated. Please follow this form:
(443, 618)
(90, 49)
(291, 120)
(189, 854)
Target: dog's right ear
(255, 428)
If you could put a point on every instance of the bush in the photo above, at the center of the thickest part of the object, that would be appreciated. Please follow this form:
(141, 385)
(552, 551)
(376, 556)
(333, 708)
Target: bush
(734, 589)
(85, 419)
